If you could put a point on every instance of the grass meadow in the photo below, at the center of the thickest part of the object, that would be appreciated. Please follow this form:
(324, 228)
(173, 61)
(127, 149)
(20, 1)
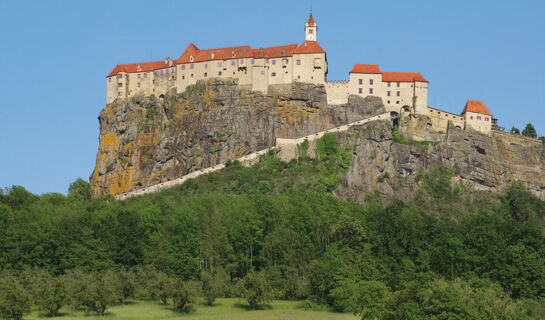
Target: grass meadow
(223, 309)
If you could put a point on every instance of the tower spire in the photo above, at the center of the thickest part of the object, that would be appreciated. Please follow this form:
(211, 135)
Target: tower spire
(311, 28)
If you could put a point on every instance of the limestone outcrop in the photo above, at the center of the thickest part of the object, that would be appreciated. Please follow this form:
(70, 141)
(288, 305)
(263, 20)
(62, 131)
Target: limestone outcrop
(146, 140)
(485, 162)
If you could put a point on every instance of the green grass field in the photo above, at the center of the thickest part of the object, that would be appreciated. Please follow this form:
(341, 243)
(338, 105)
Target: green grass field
(222, 309)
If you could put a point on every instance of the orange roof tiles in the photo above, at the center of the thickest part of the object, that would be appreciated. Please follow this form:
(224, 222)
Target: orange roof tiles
(275, 52)
(365, 68)
(477, 107)
(402, 77)
(388, 76)
(222, 54)
(309, 47)
(144, 67)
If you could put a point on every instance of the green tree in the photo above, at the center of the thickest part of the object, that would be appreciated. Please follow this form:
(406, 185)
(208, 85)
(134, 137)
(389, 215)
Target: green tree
(51, 294)
(211, 288)
(182, 295)
(255, 289)
(93, 291)
(81, 190)
(529, 131)
(515, 130)
(14, 298)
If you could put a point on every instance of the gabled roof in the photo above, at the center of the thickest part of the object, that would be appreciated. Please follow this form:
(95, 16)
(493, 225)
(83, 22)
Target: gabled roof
(275, 52)
(144, 67)
(311, 21)
(365, 68)
(309, 47)
(477, 107)
(190, 50)
(402, 77)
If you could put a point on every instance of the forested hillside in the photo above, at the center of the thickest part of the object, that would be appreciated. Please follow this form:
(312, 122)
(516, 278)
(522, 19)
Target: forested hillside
(275, 230)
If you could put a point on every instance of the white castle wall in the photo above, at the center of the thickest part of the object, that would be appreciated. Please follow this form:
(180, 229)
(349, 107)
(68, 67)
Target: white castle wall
(337, 92)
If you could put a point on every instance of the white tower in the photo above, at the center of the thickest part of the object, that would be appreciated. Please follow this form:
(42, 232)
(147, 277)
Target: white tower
(311, 29)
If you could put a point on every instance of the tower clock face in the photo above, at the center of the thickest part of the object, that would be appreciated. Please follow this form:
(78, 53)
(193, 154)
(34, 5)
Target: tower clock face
(310, 36)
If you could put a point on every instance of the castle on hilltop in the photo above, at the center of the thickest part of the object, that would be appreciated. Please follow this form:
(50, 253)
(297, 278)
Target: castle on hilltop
(257, 69)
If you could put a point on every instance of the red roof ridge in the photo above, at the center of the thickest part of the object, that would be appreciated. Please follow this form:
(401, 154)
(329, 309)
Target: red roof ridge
(396, 76)
(365, 68)
(476, 106)
(309, 47)
(310, 20)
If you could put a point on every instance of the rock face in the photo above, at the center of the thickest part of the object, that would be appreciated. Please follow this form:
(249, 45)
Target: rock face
(145, 140)
(485, 162)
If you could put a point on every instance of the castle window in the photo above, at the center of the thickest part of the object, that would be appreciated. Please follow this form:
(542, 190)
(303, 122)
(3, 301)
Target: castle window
(266, 60)
(183, 77)
(109, 79)
(145, 75)
(233, 54)
(219, 64)
(371, 81)
(241, 61)
(262, 72)
(138, 85)
(397, 102)
(398, 93)
(252, 61)
(219, 73)
(361, 82)
(191, 66)
(284, 61)
(486, 119)
(183, 67)
(206, 74)
(388, 93)
(478, 117)
(298, 62)
(274, 61)
(167, 71)
(192, 75)
(120, 84)
(119, 76)
(360, 90)
(370, 90)
(172, 70)
(155, 72)
(232, 63)
(389, 84)
(161, 72)
(273, 74)
(471, 117)
(398, 84)
(388, 101)
(139, 76)
(206, 65)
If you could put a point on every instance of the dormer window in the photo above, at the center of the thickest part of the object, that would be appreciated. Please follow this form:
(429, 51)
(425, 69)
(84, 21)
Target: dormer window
(212, 55)
(191, 59)
(138, 69)
(233, 54)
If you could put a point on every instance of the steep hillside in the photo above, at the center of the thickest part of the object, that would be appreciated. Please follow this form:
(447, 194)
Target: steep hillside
(145, 141)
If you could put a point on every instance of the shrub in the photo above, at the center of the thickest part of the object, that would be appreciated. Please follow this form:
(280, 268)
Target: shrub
(14, 298)
(255, 289)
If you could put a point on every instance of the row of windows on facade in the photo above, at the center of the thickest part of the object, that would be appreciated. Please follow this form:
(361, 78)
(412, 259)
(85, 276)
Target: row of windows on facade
(479, 118)
(220, 64)
(388, 93)
(371, 82)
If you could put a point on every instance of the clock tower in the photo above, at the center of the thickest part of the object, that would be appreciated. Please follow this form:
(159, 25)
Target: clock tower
(311, 29)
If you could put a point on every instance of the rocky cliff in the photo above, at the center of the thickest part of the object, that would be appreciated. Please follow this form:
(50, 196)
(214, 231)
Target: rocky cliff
(147, 140)
(485, 162)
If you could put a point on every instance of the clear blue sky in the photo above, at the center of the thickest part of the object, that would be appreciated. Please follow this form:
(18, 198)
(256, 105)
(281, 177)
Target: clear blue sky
(55, 55)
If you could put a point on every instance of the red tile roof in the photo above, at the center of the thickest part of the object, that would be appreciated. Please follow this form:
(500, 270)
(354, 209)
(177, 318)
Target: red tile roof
(402, 77)
(222, 54)
(275, 52)
(144, 67)
(310, 21)
(365, 68)
(309, 47)
(477, 107)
